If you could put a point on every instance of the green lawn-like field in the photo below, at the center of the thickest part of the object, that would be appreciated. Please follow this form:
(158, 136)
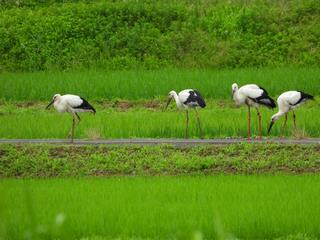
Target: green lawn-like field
(213, 207)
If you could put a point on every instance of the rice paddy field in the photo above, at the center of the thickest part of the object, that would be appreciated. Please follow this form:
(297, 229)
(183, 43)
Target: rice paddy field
(139, 180)
(239, 191)
(236, 191)
(130, 103)
(143, 84)
(219, 119)
(215, 207)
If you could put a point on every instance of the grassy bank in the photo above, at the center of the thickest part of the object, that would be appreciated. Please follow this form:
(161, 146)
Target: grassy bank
(133, 85)
(77, 34)
(219, 207)
(62, 161)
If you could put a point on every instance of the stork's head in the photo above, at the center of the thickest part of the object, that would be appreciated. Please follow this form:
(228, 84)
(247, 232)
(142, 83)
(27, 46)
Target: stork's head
(55, 98)
(274, 118)
(170, 96)
(234, 88)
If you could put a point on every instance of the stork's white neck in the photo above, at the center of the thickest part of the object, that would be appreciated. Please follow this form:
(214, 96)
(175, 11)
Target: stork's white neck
(176, 98)
(57, 100)
(57, 104)
(277, 115)
(237, 98)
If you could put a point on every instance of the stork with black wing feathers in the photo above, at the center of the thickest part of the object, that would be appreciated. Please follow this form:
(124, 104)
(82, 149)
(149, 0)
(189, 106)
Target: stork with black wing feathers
(186, 99)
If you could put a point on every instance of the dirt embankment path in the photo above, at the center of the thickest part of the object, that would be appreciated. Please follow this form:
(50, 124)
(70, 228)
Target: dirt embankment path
(147, 141)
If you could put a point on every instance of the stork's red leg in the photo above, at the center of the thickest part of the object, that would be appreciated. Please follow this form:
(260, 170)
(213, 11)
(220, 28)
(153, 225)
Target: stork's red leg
(79, 119)
(249, 124)
(294, 121)
(72, 130)
(260, 129)
(187, 123)
(284, 124)
(198, 118)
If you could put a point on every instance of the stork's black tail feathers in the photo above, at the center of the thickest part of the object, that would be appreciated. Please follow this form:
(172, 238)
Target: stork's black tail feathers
(85, 105)
(306, 96)
(265, 99)
(200, 99)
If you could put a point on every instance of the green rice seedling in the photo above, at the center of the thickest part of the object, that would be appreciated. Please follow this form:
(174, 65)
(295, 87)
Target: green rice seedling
(132, 85)
(229, 207)
(143, 123)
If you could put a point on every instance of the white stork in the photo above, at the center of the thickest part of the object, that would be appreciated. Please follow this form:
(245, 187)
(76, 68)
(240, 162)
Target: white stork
(186, 99)
(253, 96)
(71, 104)
(287, 101)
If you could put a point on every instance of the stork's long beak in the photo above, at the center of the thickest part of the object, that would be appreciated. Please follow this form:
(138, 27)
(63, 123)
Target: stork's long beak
(270, 126)
(168, 102)
(50, 104)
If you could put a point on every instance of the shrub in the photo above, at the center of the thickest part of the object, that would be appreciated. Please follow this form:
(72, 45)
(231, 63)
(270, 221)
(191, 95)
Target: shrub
(45, 35)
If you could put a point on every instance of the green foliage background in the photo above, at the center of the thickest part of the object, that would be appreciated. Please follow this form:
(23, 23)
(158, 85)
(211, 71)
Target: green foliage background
(55, 35)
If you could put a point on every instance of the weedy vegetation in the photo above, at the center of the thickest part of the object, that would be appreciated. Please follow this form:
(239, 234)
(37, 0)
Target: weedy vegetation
(38, 161)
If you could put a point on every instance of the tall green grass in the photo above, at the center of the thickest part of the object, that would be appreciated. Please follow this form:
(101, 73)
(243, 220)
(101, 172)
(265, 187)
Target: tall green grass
(216, 207)
(131, 85)
(141, 123)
